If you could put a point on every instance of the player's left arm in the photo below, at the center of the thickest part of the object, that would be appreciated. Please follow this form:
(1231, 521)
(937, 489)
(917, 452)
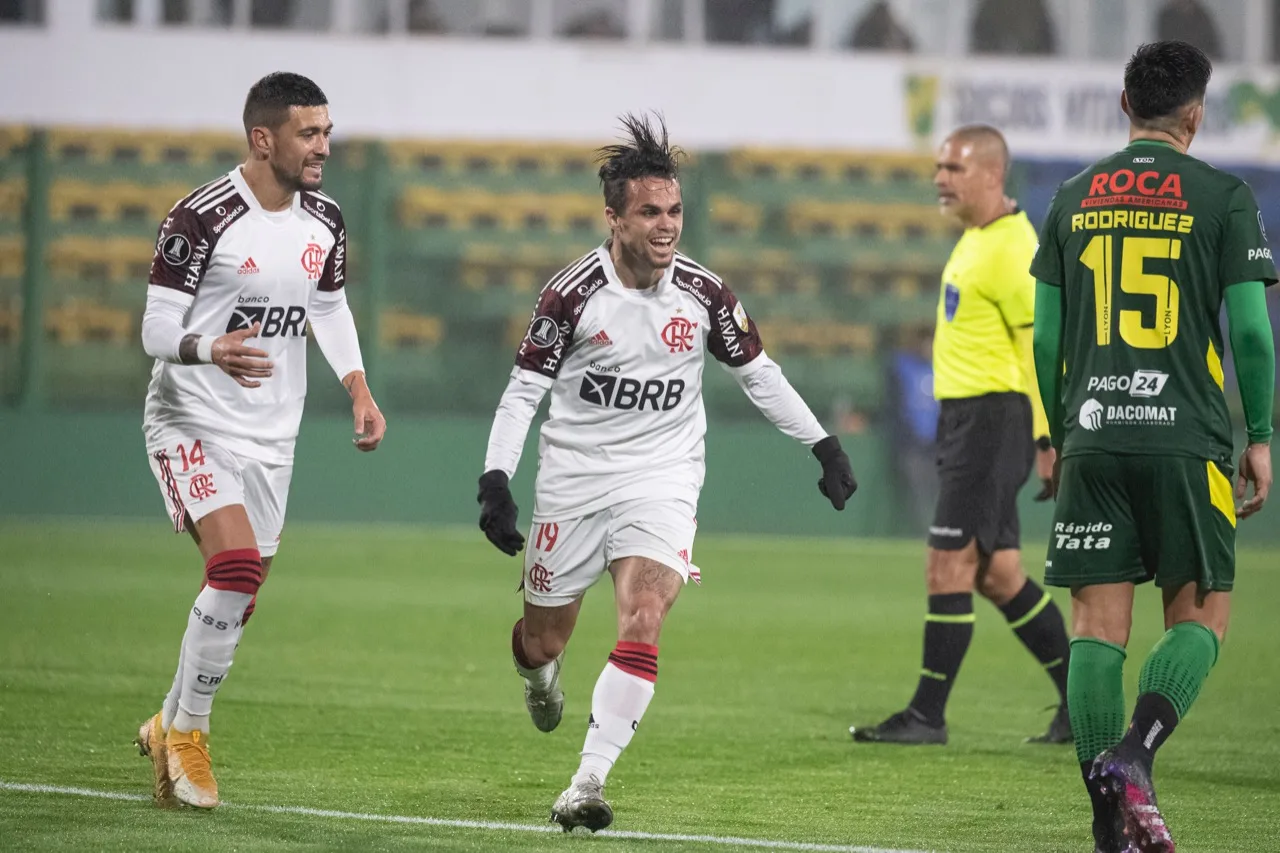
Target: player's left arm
(1245, 268)
(1014, 292)
(734, 339)
(334, 328)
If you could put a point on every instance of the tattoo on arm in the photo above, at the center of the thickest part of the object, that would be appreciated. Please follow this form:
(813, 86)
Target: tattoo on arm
(349, 382)
(187, 349)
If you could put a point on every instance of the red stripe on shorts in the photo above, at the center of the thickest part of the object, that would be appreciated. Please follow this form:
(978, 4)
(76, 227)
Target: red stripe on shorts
(175, 495)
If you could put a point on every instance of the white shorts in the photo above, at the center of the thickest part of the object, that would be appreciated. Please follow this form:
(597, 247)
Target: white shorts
(196, 477)
(563, 559)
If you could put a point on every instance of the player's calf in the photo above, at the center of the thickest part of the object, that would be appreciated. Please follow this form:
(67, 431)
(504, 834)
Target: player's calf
(232, 578)
(542, 694)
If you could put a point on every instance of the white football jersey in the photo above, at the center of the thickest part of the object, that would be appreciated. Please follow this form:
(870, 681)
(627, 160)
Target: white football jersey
(232, 264)
(625, 371)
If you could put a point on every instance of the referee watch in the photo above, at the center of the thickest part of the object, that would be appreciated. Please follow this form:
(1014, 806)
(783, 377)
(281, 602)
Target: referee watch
(1043, 443)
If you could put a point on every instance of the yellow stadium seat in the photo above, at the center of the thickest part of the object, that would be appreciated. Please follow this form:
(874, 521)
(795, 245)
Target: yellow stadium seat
(144, 147)
(112, 259)
(401, 329)
(71, 201)
(464, 157)
(797, 164)
(763, 271)
(818, 338)
(10, 322)
(12, 139)
(76, 321)
(428, 207)
(869, 221)
(12, 196)
(733, 216)
(12, 258)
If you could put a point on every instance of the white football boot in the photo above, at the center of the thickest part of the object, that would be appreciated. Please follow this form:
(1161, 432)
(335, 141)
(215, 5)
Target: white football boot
(542, 694)
(583, 804)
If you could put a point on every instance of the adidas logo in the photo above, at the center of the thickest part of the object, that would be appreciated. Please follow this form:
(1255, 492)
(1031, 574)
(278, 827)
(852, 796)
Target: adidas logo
(248, 268)
(600, 339)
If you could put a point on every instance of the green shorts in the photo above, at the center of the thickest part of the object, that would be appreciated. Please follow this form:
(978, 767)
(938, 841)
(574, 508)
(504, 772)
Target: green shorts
(1139, 518)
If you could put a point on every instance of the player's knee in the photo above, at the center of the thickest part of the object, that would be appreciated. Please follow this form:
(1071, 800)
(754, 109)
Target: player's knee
(236, 570)
(641, 620)
(951, 571)
(544, 647)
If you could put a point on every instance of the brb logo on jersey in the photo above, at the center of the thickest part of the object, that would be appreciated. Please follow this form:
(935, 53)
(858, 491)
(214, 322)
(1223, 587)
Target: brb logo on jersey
(313, 261)
(678, 334)
(277, 321)
(619, 392)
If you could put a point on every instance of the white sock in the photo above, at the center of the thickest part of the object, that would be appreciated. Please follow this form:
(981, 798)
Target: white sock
(213, 630)
(170, 708)
(621, 695)
(540, 678)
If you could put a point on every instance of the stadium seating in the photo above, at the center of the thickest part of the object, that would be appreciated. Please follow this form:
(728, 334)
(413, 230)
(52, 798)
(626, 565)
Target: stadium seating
(829, 250)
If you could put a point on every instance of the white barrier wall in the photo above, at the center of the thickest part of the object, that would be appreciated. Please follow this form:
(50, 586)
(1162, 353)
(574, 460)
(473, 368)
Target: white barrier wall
(711, 97)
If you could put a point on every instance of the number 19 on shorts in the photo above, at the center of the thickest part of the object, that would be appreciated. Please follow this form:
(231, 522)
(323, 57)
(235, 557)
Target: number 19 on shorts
(1134, 251)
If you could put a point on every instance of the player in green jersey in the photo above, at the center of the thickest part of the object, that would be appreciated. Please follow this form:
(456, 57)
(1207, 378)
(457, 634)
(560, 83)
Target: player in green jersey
(1137, 255)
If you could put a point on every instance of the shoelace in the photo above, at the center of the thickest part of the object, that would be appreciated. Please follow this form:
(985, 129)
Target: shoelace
(195, 763)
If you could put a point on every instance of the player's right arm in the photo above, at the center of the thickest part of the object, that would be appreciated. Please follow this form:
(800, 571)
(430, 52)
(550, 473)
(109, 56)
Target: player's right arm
(183, 249)
(537, 364)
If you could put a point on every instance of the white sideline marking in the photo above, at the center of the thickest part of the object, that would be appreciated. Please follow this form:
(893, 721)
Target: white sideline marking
(467, 824)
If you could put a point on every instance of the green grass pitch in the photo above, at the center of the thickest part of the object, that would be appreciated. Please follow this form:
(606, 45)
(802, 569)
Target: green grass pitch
(376, 678)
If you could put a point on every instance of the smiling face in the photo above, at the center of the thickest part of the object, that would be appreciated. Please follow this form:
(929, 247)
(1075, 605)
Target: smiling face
(648, 228)
(297, 149)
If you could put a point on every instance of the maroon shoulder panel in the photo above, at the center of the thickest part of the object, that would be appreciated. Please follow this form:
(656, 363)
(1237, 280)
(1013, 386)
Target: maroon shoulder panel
(733, 337)
(189, 234)
(334, 275)
(555, 319)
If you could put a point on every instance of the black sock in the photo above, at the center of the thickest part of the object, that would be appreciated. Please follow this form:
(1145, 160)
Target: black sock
(1106, 822)
(1038, 623)
(948, 628)
(1154, 719)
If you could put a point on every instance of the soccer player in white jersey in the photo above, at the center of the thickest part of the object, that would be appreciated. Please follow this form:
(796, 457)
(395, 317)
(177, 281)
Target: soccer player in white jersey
(618, 339)
(257, 254)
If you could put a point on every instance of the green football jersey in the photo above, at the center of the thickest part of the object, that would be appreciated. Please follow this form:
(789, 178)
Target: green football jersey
(1143, 243)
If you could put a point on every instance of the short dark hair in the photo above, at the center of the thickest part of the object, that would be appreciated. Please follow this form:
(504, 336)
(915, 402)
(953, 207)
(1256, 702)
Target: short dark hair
(647, 153)
(1163, 77)
(271, 97)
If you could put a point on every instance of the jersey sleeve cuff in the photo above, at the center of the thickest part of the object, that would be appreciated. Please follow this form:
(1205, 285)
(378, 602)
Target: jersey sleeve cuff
(168, 294)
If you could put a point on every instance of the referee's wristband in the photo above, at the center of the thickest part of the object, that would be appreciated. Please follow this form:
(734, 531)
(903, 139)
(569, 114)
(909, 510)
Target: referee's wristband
(1043, 443)
(204, 349)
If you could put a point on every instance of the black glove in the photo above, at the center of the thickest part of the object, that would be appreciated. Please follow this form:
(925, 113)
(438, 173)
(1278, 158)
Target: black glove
(837, 484)
(498, 513)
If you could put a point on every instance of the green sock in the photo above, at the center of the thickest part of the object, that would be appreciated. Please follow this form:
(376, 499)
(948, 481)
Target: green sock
(1095, 695)
(1179, 664)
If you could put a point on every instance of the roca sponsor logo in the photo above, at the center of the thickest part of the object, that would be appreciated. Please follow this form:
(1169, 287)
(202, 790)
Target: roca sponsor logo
(1093, 536)
(1143, 383)
(621, 392)
(278, 321)
(227, 220)
(1258, 254)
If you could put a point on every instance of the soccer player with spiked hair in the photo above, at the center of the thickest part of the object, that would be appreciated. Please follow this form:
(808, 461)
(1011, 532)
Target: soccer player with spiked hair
(618, 338)
(1138, 254)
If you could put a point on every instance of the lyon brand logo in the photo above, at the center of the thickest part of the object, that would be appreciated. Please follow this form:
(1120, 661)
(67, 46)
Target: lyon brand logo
(678, 334)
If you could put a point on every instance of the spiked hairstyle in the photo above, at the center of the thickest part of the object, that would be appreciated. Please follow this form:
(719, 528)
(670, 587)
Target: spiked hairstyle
(647, 153)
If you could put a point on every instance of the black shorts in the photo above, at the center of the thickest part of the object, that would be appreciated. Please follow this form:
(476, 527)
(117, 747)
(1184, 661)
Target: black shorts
(985, 453)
